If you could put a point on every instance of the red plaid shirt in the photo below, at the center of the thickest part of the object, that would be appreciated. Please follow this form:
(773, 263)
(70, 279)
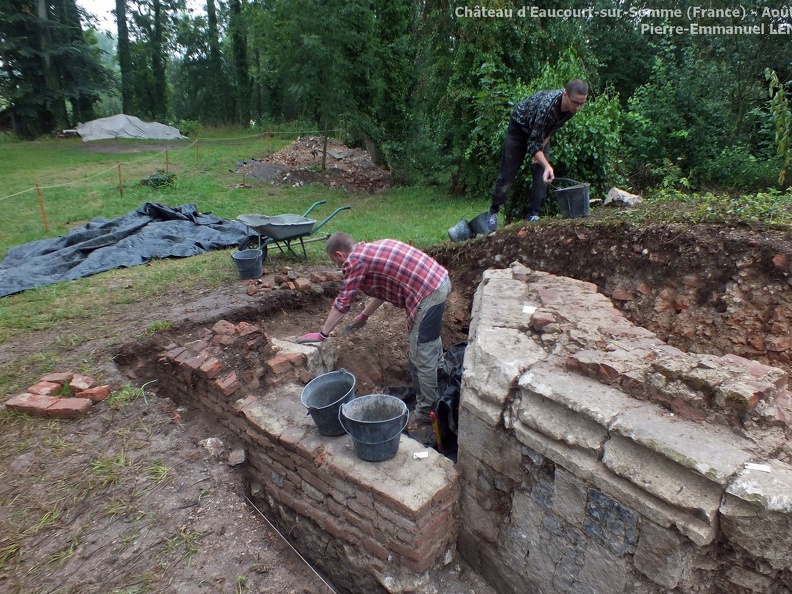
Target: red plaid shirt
(390, 270)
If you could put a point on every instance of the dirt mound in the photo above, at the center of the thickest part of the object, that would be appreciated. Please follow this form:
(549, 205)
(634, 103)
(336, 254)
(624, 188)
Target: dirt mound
(300, 163)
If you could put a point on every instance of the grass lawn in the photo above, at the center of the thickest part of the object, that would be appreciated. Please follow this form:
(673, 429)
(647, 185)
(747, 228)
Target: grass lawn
(78, 182)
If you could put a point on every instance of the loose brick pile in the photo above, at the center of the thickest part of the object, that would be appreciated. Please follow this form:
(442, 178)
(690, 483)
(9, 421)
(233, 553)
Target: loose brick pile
(61, 395)
(292, 280)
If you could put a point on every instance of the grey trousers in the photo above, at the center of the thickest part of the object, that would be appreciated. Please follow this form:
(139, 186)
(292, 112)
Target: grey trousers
(426, 349)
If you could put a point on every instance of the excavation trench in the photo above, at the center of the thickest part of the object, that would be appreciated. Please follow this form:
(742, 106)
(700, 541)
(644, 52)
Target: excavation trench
(707, 293)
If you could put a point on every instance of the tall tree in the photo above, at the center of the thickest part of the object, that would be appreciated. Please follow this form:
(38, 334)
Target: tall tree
(151, 32)
(124, 57)
(200, 82)
(50, 73)
(238, 30)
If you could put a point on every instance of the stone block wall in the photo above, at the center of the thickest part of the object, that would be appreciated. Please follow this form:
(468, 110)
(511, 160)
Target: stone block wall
(371, 527)
(597, 459)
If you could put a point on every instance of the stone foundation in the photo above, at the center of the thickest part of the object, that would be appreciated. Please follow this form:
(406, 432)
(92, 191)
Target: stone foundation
(597, 459)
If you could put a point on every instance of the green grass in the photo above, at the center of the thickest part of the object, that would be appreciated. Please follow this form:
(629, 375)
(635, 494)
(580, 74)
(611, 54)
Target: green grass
(87, 188)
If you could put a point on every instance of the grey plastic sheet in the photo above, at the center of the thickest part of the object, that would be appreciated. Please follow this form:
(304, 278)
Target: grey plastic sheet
(150, 231)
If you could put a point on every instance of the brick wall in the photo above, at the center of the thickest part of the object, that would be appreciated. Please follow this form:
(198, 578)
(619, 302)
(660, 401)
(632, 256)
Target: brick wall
(364, 524)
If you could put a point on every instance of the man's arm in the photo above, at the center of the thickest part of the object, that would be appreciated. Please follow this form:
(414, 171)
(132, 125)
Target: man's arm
(541, 159)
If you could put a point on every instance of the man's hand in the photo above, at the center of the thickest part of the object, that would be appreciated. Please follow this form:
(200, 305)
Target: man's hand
(311, 337)
(549, 175)
(359, 321)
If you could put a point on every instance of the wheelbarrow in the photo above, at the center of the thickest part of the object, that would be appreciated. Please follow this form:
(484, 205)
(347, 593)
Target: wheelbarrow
(282, 230)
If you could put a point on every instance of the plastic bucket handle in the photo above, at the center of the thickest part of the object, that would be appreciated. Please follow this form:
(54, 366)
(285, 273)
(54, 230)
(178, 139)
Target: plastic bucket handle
(311, 409)
(406, 416)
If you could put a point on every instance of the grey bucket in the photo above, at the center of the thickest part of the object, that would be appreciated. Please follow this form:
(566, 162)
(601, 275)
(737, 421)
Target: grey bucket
(375, 423)
(460, 231)
(573, 201)
(249, 263)
(323, 397)
(480, 225)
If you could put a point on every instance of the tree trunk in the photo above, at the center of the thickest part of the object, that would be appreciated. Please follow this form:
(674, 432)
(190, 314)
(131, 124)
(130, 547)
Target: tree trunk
(239, 43)
(124, 58)
(160, 103)
(217, 109)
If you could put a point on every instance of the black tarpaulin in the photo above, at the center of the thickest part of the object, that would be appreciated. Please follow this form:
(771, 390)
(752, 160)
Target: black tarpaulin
(151, 231)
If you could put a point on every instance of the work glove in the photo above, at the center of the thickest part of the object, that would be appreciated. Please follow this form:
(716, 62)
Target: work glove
(311, 337)
(359, 321)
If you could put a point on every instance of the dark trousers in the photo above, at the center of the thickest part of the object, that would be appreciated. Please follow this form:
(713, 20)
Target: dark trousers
(514, 150)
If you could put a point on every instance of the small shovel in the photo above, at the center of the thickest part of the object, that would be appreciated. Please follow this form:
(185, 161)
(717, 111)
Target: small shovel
(436, 429)
(347, 330)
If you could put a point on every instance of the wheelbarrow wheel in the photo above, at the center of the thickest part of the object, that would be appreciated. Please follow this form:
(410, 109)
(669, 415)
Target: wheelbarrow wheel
(251, 243)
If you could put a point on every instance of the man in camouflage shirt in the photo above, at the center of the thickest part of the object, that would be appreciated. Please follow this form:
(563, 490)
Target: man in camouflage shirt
(533, 122)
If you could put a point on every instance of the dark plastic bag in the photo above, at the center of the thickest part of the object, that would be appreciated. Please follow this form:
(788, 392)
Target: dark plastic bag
(449, 382)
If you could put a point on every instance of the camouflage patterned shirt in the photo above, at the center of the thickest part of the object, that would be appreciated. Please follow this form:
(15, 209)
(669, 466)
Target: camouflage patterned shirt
(540, 116)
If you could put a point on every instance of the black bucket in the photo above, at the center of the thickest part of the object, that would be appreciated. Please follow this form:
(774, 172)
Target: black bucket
(573, 201)
(460, 231)
(249, 263)
(480, 225)
(323, 397)
(375, 423)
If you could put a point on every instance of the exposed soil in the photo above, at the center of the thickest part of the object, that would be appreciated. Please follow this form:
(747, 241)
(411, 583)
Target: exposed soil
(300, 163)
(128, 500)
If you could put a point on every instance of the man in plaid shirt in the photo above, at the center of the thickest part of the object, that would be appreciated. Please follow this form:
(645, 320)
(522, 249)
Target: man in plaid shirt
(392, 271)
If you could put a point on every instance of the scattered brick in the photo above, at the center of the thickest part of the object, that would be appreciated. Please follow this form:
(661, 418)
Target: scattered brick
(223, 339)
(96, 394)
(302, 284)
(622, 295)
(224, 327)
(244, 328)
(58, 378)
(45, 388)
(315, 277)
(780, 261)
(32, 404)
(81, 382)
(69, 408)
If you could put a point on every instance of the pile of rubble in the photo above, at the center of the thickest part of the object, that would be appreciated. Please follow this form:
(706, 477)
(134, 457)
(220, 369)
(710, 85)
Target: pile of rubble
(290, 279)
(300, 164)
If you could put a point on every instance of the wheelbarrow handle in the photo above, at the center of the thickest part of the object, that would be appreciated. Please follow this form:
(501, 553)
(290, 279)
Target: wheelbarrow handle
(315, 204)
(332, 214)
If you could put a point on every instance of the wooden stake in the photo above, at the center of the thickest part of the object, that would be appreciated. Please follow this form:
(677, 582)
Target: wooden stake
(167, 165)
(41, 206)
(120, 182)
